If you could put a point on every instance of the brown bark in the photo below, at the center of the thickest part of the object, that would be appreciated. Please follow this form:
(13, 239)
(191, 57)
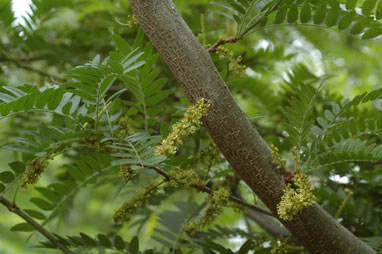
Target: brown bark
(231, 130)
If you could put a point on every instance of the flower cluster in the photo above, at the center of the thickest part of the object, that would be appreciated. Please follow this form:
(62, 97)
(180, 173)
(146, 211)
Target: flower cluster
(234, 64)
(185, 127)
(125, 129)
(219, 198)
(202, 34)
(279, 247)
(132, 20)
(125, 173)
(184, 177)
(92, 141)
(33, 172)
(296, 199)
(130, 207)
(277, 157)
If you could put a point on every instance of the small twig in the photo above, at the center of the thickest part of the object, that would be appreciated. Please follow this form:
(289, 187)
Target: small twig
(205, 189)
(222, 41)
(28, 68)
(17, 210)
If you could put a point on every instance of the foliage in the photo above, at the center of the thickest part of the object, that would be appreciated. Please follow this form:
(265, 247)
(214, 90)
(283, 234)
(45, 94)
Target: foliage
(86, 137)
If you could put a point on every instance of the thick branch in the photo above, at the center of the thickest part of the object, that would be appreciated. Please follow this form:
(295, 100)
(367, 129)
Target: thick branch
(15, 209)
(231, 130)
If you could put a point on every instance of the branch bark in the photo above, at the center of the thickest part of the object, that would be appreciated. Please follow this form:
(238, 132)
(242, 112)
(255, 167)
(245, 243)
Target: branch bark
(17, 210)
(231, 130)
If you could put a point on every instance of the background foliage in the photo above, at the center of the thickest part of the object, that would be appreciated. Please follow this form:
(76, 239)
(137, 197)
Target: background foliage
(83, 90)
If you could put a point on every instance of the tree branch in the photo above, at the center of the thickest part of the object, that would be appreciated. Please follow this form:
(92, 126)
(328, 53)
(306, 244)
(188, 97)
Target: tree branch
(205, 189)
(231, 130)
(222, 41)
(17, 210)
(4, 58)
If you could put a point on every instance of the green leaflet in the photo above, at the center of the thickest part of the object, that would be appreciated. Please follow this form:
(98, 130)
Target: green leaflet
(319, 13)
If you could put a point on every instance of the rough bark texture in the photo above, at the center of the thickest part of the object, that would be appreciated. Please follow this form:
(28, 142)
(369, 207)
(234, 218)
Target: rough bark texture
(231, 130)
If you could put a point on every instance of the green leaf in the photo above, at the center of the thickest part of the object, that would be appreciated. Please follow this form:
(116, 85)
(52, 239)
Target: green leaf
(378, 12)
(292, 14)
(2, 188)
(6, 98)
(23, 227)
(368, 6)
(158, 97)
(134, 66)
(15, 91)
(372, 33)
(117, 67)
(236, 6)
(74, 172)
(134, 245)
(306, 13)
(154, 87)
(121, 44)
(281, 14)
(139, 39)
(7, 176)
(332, 17)
(246, 247)
(244, 3)
(350, 4)
(346, 20)
(60, 188)
(322, 122)
(119, 243)
(35, 214)
(329, 115)
(48, 194)
(104, 240)
(361, 25)
(43, 98)
(17, 166)
(42, 204)
(56, 97)
(320, 14)
(88, 240)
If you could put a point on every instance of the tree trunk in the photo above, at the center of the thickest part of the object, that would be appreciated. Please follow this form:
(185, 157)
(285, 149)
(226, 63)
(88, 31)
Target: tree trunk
(231, 130)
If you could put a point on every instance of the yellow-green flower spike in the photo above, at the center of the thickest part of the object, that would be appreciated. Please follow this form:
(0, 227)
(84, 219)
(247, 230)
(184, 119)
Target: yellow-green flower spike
(33, 172)
(293, 201)
(130, 207)
(125, 173)
(234, 64)
(179, 178)
(185, 127)
(219, 198)
(125, 129)
(277, 157)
